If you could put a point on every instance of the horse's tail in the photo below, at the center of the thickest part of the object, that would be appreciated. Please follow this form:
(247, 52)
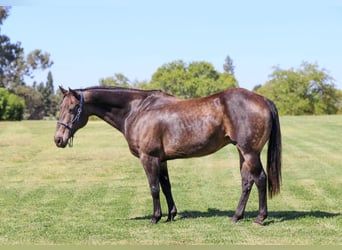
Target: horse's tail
(274, 153)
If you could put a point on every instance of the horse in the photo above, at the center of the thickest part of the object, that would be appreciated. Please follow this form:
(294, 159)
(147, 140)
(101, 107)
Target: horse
(159, 127)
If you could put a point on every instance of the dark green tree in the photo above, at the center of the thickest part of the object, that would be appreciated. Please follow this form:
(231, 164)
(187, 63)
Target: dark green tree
(49, 98)
(170, 77)
(11, 106)
(3, 101)
(119, 80)
(13, 64)
(14, 67)
(191, 80)
(11, 55)
(34, 102)
(306, 90)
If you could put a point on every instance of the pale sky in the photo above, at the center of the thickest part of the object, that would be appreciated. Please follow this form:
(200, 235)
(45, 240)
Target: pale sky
(89, 40)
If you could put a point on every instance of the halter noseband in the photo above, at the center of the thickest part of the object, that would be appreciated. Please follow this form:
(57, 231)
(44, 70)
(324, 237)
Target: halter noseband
(76, 119)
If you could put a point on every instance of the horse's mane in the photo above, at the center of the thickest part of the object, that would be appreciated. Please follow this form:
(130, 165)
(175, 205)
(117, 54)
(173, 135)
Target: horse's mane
(126, 89)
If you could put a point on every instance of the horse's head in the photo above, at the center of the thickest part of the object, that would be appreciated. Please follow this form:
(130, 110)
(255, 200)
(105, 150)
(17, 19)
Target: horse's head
(71, 117)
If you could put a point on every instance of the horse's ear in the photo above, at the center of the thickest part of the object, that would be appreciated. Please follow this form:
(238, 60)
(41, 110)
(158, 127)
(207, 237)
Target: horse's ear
(64, 91)
(74, 93)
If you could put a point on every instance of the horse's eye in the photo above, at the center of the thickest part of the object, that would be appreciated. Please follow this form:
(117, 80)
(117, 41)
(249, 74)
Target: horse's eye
(73, 110)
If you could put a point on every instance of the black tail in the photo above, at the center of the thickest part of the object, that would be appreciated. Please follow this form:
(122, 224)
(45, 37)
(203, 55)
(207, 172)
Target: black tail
(274, 153)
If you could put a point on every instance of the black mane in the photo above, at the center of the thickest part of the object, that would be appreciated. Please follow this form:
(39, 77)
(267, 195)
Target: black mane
(125, 89)
(118, 88)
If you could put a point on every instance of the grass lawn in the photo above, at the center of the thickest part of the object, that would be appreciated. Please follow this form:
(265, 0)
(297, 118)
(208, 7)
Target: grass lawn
(96, 193)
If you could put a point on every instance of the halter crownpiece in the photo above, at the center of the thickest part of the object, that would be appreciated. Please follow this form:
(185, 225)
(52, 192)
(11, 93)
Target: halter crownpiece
(76, 119)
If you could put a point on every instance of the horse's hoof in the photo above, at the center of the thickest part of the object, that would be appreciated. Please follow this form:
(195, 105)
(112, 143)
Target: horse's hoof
(259, 222)
(155, 220)
(170, 219)
(236, 218)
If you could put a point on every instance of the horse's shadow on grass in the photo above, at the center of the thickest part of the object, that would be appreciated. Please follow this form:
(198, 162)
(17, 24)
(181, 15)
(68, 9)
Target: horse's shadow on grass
(273, 216)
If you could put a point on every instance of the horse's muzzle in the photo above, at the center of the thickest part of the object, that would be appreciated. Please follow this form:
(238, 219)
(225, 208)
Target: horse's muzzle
(60, 142)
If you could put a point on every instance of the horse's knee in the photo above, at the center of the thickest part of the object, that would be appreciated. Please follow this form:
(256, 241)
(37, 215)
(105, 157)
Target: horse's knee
(254, 167)
(261, 180)
(155, 190)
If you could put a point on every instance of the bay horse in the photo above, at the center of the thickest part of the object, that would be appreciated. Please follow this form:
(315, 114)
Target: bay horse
(159, 127)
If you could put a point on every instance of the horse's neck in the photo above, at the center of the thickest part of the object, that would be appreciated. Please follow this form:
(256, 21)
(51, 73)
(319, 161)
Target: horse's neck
(113, 106)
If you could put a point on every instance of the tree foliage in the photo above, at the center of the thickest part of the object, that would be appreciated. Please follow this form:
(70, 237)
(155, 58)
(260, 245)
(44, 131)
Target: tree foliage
(190, 80)
(11, 106)
(14, 68)
(306, 90)
(13, 64)
(49, 99)
(11, 59)
(119, 80)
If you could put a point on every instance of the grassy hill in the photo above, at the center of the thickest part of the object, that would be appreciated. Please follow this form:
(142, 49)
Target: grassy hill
(97, 192)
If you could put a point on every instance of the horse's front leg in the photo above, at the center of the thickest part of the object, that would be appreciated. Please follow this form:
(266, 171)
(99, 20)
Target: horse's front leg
(152, 168)
(166, 187)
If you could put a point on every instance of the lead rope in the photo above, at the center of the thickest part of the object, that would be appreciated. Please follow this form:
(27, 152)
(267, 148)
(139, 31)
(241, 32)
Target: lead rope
(71, 141)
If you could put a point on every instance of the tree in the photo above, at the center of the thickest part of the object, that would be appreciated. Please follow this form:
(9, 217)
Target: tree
(228, 66)
(322, 93)
(48, 94)
(339, 103)
(3, 101)
(11, 59)
(11, 106)
(34, 102)
(15, 108)
(119, 80)
(307, 90)
(190, 80)
(170, 77)
(14, 67)
(37, 59)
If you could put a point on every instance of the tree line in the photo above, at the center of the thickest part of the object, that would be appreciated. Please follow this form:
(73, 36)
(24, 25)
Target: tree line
(185, 80)
(17, 99)
(306, 90)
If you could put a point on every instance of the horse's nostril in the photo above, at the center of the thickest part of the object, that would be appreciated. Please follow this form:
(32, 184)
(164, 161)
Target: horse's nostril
(59, 141)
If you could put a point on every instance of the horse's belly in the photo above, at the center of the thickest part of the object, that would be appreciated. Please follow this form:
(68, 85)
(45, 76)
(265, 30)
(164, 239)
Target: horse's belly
(194, 145)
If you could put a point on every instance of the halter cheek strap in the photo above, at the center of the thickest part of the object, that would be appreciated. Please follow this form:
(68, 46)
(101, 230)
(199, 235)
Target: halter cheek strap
(76, 119)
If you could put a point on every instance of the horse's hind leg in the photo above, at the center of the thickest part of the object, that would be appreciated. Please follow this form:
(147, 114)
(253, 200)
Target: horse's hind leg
(166, 188)
(252, 172)
(246, 184)
(260, 180)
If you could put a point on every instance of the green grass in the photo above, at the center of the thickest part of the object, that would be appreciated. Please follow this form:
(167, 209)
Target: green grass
(96, 193)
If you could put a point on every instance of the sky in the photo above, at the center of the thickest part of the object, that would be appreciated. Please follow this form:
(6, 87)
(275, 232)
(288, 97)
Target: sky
(90, 40)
